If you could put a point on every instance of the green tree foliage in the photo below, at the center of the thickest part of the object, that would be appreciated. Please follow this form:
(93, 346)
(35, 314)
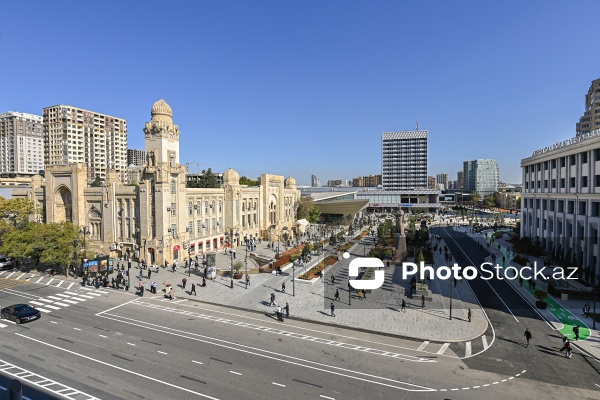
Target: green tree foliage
(384, 230)
(305, 253)
(207, 179)
(14, 214)
(307, 209)
(247, 181)
(98, 182)
(489, 201)
(475, 196)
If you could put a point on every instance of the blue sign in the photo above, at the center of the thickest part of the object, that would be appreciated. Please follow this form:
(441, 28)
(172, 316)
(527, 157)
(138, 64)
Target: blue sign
(406, 205)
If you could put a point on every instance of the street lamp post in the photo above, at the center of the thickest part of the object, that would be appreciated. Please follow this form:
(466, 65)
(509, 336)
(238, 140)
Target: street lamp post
(293, 278)
(451, 298)
(594, 317)
(246, 266)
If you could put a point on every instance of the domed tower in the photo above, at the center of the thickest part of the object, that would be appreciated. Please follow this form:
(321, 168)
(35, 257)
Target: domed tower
(161, 136)
(290, 183)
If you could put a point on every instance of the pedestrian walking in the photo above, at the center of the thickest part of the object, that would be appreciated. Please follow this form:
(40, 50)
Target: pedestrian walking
(279, 314)
(149, 273)
(283, 287)
(272, 300)
(403, 307)
(332, 306)
(528, 336)
(469, 315)
(337, 294)
(332, 280)
(422, 300)
(360, 295)
(567, 347)
(247, 279)
(193, 290)
(586, 310)
(364, 294)
(183, 282)
(287, 310)
(576, 332)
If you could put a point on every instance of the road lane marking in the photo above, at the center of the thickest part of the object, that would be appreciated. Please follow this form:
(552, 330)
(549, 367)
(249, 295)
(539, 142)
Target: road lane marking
(69, 287)
(120, 368)
(277, 384)
(58, 303)
(443, 348)
(37, 303)
(47, 300)
(54, 322)
(289, 334)
(236, 373)
(51, 307)
(19, 277)
(468, 349)
(103, 336)
(9, 275)
(39, 280)
(197, 362)
(422, 346)
(50, 281)
(3, 326)
(328, 398)
(485, 343)
(162, 352)
(60, 283)
(131, 344)
(69, 301)
(43, 309)
(314, 365)
(54, 298)
(77, 329)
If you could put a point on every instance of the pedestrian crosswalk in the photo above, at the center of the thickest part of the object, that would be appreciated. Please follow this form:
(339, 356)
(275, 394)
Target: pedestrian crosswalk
(49, 303)
(28, 277)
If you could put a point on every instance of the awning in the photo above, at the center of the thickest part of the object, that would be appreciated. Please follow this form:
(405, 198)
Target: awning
(303, 222)
(192, 244)
(150, 250)
(176, 247)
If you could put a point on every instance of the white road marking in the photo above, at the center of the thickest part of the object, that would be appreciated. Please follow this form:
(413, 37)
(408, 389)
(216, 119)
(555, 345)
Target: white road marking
(596, 384)
(422, 346)
(44, 310)
(19, 277)
(197, 362)
(46, 300)
(9, 275)
(3, 326)
(179, 301)
(63, 295)
(314, 365)
(60, 283)
(69, 301)
(54, 298)
(39, 280)
(131, 344)
(278, 384)
(236, 373)
(120, 368)
(69, 287)
(37, 303)
(485, 343)
(51, 307)
(53, 322)
(77, 329)
(468, 349)
(443, 348)
(328, 398)
(50, 281)
(78, 298)
(103, 336)
(85, 296)
(162, 352)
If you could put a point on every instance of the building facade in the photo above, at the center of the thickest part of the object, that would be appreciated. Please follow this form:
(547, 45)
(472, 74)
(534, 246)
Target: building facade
(21, 144)
(367, 181)
(442, 179)
(314, 181)
(481, 176)
(561, 200)
(431, 184)
(404, 160)
(590, 121)
(460, 180)
(159, 219)
(75, 135)
(136, 157)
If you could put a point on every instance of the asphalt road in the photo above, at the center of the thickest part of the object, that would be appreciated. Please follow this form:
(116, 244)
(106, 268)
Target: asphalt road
(118, 346)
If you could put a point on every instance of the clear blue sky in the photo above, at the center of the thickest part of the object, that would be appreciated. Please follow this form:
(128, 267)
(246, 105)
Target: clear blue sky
(307, 87)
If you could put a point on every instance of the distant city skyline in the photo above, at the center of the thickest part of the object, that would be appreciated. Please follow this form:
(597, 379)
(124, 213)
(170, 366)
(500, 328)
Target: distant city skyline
(309, 88)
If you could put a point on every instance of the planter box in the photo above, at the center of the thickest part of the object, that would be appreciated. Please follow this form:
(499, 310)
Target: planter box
(541, 304)
(238, 275)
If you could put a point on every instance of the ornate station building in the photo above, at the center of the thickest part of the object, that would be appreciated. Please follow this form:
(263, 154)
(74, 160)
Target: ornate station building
(159, 219)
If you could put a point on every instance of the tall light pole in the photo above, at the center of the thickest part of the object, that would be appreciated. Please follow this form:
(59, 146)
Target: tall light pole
(594, 318)
(246, 266)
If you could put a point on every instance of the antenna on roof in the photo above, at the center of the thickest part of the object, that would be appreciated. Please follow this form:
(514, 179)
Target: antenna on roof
(417, 124)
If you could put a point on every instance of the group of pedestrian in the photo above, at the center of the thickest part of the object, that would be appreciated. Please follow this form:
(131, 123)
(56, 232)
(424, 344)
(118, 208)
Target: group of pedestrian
(279, 310)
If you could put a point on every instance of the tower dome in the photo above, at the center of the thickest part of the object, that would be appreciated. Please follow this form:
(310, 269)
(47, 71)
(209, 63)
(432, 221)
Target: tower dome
(161, 109)
(231, 177)
(290, 182)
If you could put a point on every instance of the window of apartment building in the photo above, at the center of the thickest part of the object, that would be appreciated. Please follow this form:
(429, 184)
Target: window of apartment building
(573, 159)
(545, 183)
(174, 230)
(198, 207)
(173, 213)
(526, 185)
(597, 154)
(584, 157)
(243, 220)
(544, 225)
(554, 164)
(563, 161)
(221, 221)
(562, 183)
(173, 187)
(537, 204)
(561, 206)
(553, 183)
(220, 206)
(545, 204)
(595, 209)
(571, 207)
(584, 181)
(199, 227)
(539, 184)
(582, 207)
(597, 180)
(190, 209)
(191, 227)
(545, 165)
(213, 224)
(206, 207)
(552, 204)
(572, 182)
(594, 236)
(206, 224)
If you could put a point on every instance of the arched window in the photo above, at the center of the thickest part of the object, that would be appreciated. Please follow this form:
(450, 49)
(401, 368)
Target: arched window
(190, 209)
(173, 186)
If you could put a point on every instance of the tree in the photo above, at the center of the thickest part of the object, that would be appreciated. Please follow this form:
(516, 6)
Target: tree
(305, 256)
(475, 196)
(14, 215)
(207, 179)
(308, 210)
(518, 203)
(98, 182)
(489, 201)
(247, 181)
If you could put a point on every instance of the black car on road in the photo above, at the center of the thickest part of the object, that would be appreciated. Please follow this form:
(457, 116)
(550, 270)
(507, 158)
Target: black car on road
(20, 313)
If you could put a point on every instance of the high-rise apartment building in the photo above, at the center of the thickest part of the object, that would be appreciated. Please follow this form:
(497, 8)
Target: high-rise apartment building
(404, 160)
(21, 143)
(481, 176)
(314, 181)
(74, 135)
(590, 121)
(460, 180)
(367, 181)
(431, 182)
(136, 157)
(442, 179)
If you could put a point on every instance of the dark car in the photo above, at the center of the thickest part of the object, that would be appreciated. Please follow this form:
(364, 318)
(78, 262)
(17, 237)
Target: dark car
(5, 263)
(20, 313)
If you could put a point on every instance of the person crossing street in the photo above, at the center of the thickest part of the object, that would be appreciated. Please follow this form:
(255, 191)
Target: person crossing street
(337, 295)
(193, 290)
(528, 336)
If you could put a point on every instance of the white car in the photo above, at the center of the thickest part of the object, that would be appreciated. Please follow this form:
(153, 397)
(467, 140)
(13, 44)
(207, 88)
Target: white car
(5, 263)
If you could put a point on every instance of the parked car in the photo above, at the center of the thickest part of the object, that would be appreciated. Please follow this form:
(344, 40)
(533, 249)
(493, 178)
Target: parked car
(5, 263)
(20, 313)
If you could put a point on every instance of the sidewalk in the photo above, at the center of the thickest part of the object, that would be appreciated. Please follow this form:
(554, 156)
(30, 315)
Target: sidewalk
(561, 314)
